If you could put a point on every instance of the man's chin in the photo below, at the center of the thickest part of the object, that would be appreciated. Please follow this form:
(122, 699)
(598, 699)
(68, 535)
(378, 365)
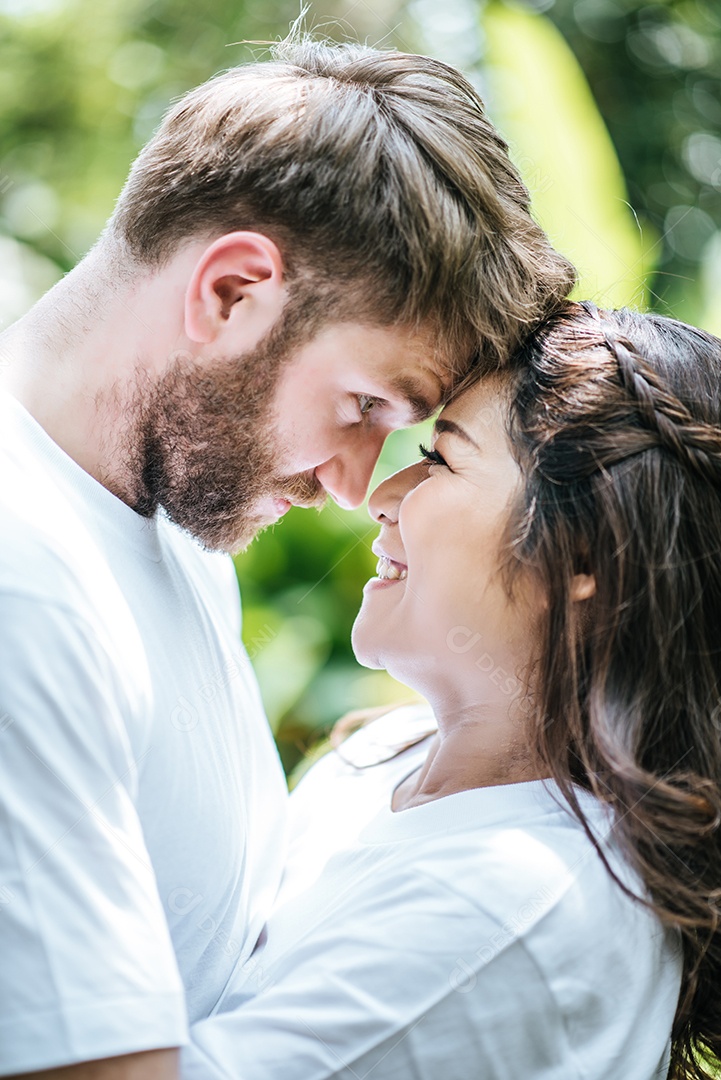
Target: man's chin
(266, 513)
(271, 508)
(234, 536)
(228, 538)
(251, 531)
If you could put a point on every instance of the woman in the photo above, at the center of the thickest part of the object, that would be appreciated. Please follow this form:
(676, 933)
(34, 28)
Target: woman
(523, 880)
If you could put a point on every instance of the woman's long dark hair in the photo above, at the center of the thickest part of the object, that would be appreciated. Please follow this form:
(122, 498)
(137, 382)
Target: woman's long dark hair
(616, 417)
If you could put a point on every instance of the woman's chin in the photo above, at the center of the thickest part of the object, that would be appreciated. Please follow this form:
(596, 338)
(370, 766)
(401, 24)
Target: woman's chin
(365, 643)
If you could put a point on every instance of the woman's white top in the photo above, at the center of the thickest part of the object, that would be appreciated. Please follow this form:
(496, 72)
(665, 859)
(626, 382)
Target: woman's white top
(478, 936)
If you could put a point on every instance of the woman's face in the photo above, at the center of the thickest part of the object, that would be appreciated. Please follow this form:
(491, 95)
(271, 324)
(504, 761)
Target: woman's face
(438, 614)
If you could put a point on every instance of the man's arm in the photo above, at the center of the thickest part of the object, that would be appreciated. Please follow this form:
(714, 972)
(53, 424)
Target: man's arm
(88, 972)
(152, 1065)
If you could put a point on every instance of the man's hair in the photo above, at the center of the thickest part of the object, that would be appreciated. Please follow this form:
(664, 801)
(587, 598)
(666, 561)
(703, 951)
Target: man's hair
(387, 190)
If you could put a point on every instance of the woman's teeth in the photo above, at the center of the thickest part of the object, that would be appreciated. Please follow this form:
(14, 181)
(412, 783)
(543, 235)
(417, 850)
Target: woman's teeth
(389, 571)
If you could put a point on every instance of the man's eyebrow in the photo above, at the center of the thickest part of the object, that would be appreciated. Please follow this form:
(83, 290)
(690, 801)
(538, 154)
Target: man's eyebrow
(451, 428)
(413, 391)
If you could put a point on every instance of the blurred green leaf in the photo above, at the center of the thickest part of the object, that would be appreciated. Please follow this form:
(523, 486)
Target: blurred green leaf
(543, 105)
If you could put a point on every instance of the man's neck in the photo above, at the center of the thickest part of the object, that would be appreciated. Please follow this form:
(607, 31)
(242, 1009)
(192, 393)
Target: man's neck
(74, 361)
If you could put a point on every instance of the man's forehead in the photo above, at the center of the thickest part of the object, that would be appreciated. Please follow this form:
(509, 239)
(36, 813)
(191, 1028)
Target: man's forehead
(421, 394)
(419, 366)
(430, 382)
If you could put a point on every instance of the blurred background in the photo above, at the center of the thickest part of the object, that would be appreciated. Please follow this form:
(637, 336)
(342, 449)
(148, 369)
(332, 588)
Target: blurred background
(612, 110)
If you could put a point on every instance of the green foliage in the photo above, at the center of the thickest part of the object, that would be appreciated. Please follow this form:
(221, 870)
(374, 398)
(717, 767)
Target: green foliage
(545, 108)
(82, 87)
(655, 71)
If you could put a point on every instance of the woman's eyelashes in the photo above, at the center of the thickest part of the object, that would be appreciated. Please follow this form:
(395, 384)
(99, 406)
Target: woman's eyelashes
(432, 457)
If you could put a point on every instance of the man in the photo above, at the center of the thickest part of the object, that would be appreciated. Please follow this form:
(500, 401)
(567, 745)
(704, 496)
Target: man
(308, 254)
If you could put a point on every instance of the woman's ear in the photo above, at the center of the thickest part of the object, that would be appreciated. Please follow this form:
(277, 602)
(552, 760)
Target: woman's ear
(583, 587)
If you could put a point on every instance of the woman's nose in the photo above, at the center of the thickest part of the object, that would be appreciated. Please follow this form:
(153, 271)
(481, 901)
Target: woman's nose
(385, 502)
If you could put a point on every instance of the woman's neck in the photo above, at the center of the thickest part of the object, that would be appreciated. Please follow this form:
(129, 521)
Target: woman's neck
(480, 747)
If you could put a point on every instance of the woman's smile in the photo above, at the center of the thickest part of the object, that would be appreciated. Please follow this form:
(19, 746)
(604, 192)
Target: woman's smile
(388, 570)
(447, 516)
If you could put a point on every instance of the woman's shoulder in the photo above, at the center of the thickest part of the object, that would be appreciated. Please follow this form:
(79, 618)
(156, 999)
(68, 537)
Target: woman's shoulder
(511, 848)
(501, 850)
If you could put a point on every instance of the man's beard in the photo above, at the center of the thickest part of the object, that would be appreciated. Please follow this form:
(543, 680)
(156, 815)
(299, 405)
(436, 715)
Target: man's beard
(204, 446)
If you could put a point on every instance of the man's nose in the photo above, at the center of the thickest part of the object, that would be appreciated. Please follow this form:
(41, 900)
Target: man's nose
(346, 476)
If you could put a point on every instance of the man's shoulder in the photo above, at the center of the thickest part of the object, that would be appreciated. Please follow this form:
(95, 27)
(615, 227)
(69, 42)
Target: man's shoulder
(36, 553)
(48, 554)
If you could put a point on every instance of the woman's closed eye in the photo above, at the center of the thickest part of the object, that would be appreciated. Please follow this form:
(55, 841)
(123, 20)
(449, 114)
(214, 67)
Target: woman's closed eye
(432, 457)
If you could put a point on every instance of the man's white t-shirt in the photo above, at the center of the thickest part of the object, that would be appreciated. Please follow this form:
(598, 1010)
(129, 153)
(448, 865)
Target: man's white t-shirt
(479, 935)
(142, 802)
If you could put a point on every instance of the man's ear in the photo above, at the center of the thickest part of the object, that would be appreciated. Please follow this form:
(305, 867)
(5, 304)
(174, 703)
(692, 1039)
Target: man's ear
(237, 283)
(583, 586)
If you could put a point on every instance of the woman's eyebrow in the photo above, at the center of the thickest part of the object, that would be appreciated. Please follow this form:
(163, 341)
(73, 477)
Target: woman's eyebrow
(451, 428)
